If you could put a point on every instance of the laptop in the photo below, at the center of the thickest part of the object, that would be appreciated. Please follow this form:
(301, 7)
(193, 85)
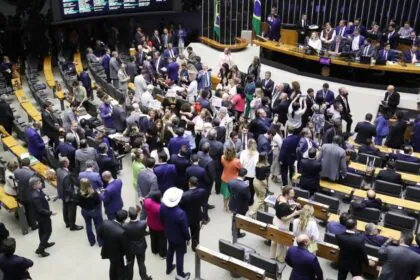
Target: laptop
(380, 62)
(365, 59)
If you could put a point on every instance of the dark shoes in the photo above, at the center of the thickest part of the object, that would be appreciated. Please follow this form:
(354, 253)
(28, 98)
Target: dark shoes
(148, 278)
(49, 244)
(76, 227)
(35, 227)
(170, 270)
(206, 221)
(187, 276)
(242, 234)
(210, 206)
(42, 253)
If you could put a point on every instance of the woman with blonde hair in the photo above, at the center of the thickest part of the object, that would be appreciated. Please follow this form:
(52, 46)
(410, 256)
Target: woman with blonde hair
(90, 202)
(249, 159)
(262, 172)
(256, 102)
(9, 187)
(306, 224)
(231, 166)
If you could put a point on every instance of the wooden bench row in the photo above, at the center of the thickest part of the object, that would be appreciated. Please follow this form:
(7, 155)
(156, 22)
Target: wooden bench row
(383, 149)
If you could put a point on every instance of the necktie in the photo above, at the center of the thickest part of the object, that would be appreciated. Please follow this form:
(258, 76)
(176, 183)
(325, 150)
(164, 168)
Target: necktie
(172, 53)
(244, 144)
(386, 56)
(207, 79)
(367, 50)
(341, 31)
(413, 58)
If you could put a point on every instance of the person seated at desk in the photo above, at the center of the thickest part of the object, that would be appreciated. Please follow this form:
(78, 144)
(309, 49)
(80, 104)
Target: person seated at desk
(367, 49)
(314, 42)
(337, 46)
(406, 156)
(414, 39)
(416, 248)
(389, 174)
(340, 226)
(357, 25)
(372, 236)
(371, 201)
(357, 41)
(365, 130)
(310, 169)
(391, 37)
(412, 55)
(405, 31)
(374, 33)
(369, 148)
(349, 155)
(386, 54)
(342, 30)
(327, 35)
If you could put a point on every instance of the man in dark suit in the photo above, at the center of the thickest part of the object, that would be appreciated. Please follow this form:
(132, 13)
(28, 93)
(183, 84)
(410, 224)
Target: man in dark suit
(310, 170)
(326, 93)
(357, 25)
(13, 266)
(140, 58)
(50, 124)
(105, 163)
(156, 41)
(220, 130)
(342, 98)
(191, 202)
(288, 156)
(240, 196)
(302, 29)
(175, 143)
(138, 37)
(399, 261)
(42, 214)
(36, 145)
(106, 59)
(391, 37)
(260, 124)
(245, 136)
(371, 201)
(389, 174)
(267, 84)
(216, 152)
(205, 161)
(175, 223)
(170, 52)
(115, 245)
(365, 130)
(412, 56)
(135, 232)
(6, 114)
(406, 156)
(111, 196)
(166, 39)
(66, 149)
(66, 189)
(264, 144)
(372, 236)
(4, 233)
(280, 104)
(392, 99)
(386, 54)
(352, 251)
(172, 70)
(304, 264)
(158, 62)
(22, 176)
(369, 148)
(165, 172)
(395, 138)
(181, 163)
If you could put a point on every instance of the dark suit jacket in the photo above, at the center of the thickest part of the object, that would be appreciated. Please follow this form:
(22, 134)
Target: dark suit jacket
(208, 164)
(329, 96)
(105, 163)
(399, 263)
(370, 150)
(221, 133)
(288, 149)
(352, 251)
(390, 57)
(260, 126)
(15, 267)
(310, 170)
(191, 203)
(48, 125)
(115, 242)
(135, 232)
(305, 265)
(267, 88)
(329, 135)
(280, 108)
(175, 144)
(41, 206)
(22, 176)
(175, 223)
(408, 56)
(6, 114)
(200, 173)
(404, 157)
(166, 175)
(36, 145)
(112, 197)
(239, 196)
(389, 176)
(365, 130)
(264, 145)
(181, 165)
(395, 137)
(346, 111)
(393, 100)
(66, 150)
(156, 43)
(393, 39)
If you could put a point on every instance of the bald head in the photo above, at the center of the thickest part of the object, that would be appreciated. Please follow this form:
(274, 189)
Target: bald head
(390, 88)
(371, 194)
(106, 176)
(302, 240)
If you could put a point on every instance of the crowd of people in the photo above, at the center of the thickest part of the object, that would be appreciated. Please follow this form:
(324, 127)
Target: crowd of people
(247, 132)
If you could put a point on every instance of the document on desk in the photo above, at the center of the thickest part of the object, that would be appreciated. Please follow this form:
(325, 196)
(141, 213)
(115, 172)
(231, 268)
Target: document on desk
(32, 159)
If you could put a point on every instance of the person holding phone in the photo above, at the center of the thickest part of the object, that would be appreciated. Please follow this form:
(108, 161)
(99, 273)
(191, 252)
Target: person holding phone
(286, 211)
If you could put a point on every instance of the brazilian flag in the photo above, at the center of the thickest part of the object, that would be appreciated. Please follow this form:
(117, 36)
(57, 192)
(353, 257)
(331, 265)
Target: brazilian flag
(216, 25)
(256, 18)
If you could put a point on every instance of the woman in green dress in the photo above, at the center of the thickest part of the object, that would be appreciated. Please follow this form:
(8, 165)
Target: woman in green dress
(231, 166)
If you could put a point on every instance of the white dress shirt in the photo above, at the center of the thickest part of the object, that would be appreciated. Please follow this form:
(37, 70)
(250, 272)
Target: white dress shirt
(355, 43)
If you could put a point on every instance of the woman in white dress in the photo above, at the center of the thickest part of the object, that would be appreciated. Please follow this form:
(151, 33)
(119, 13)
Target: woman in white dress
(192, 89)
(306, 224)
(314, 42)
(249, 160)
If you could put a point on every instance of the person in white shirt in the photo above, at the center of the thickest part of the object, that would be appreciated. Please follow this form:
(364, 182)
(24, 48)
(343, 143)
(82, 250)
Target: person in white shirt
(147, 96)
(140, 84)
(192, 89)
(225, 120)
(9, 187)
(327, 35)
(306, 224)
(276, 143)
(405, 31)
(295, 113)
(249, 160)
(335, 111)
(226, 57)
(357, 41)
(314, 42)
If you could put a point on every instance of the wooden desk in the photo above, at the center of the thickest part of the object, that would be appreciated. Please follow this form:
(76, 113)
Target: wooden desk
(9, 142)
(42, 169)
(18, 150)
(21, 97)
(321, 211)
(386, 232)
(394, 201)
(48, 74)
(360, 167)
(8, 201)
(3, 132)
(230, 264)
(292, 50)
(240, 44)
(77, 60)
(383, 149)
